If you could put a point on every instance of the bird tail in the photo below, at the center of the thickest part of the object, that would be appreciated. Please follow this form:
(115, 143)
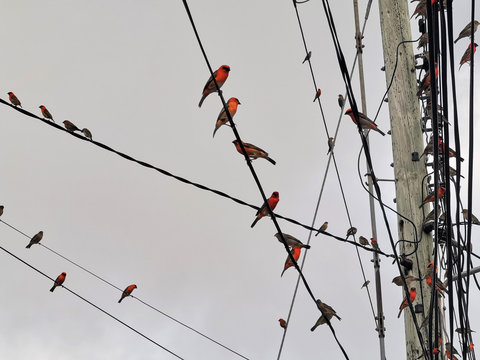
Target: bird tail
(420, 206)
(53, 288)
(271, 160)
(306, 246)
(338, 317)
(119, 301)
(214, 131)
(378, 130)
(283, 272)
(456, 40)
(28, 247)
(399, 313)
(314, 327)
(255, 221)
(201, 100)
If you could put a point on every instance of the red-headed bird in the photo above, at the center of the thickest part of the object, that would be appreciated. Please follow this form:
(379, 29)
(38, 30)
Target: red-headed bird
(222, 118)
(263, 211)
(59, 280)
(467, 55)
(317, 94)
(425, 82)
(14, 100)
(413, 295)
(253, 152)
(283, 323)
(430, 197)
(128, 290)
(296, 255)
(46, 114)
(221, 76)
(365, 122)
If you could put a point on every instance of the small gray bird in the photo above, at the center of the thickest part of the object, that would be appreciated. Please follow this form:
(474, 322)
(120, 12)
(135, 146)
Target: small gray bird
(467, 30)
(322, 228)
(70, 126)
(423, 41)
(351, 231)
(35, 239)
(87, 133)
(309, 55)
(291, 241)
(330, 145)
(362, 240)
(341, 101)
(365, 284)
(327, 313)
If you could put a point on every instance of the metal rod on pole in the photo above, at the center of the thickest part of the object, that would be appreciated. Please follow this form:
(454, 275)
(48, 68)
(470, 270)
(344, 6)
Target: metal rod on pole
(376, 260)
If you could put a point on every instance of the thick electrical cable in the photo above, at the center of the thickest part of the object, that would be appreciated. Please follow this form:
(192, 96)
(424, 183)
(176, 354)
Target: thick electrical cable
(91, 303)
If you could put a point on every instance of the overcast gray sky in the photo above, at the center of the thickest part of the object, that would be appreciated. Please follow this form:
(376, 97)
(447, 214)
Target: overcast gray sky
(132, 72)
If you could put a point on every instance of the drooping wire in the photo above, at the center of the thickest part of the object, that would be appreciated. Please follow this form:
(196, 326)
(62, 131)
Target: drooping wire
(92, 304)
(119, 289)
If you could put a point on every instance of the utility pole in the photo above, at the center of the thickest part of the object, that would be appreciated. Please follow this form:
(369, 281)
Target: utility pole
(405, 121)
(376, 259)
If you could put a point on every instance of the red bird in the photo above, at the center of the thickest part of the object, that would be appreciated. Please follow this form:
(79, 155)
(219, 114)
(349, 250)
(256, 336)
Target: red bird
(431, 197)
(317, 94)
(221, 76)
(14, 100)
(365, 122)
(283, 323)
(59, 281)
(425, 82)
(128, 290)
(413, 295)
(46, 114)
(467, 55)
(222, 118)
(253, 152)
(263, 211)
(296, 255)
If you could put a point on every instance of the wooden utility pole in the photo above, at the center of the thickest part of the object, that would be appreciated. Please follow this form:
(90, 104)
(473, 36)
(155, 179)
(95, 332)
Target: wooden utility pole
(405, 120)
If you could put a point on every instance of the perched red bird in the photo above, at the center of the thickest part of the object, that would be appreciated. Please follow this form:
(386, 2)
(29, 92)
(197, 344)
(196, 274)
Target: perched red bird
(431, 197)
(128, 290)
(365, 122)
(420, 10)
(296, 255)
(35, 239)
(59, 280)
(425, 82)
(413, 295)
(374, 243)
(14, 100)
(253, 151)
(263, 211)
(283, 323)
(222, 118)
(317, 94)
(467, 55)
(70, 126)
(221, 76)
(467, 30)
(46, 114)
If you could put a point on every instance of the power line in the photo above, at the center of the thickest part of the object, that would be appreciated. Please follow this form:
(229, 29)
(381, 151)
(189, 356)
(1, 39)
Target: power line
(121, 290)
(91, 303)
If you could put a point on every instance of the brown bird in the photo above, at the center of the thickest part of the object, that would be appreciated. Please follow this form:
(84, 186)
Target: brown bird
(453, 172)
(330, 145)
(59, 280)
(87, 133)
(474, 218)
(467, 30)
(463, 330)
(70, 126)
(362, 240)
(309, 55)
(467, 55)
(283, 323)
(423, 41)
(397, 280)
(351, 231)
(327, 314)
(128, 290)
(420, 10)
(1, 210)
(291, 241)
(13, 99)
(46, 114)
(341, 101)
(365, 284)
(431, 215)
(253, 152)
(35, 239)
